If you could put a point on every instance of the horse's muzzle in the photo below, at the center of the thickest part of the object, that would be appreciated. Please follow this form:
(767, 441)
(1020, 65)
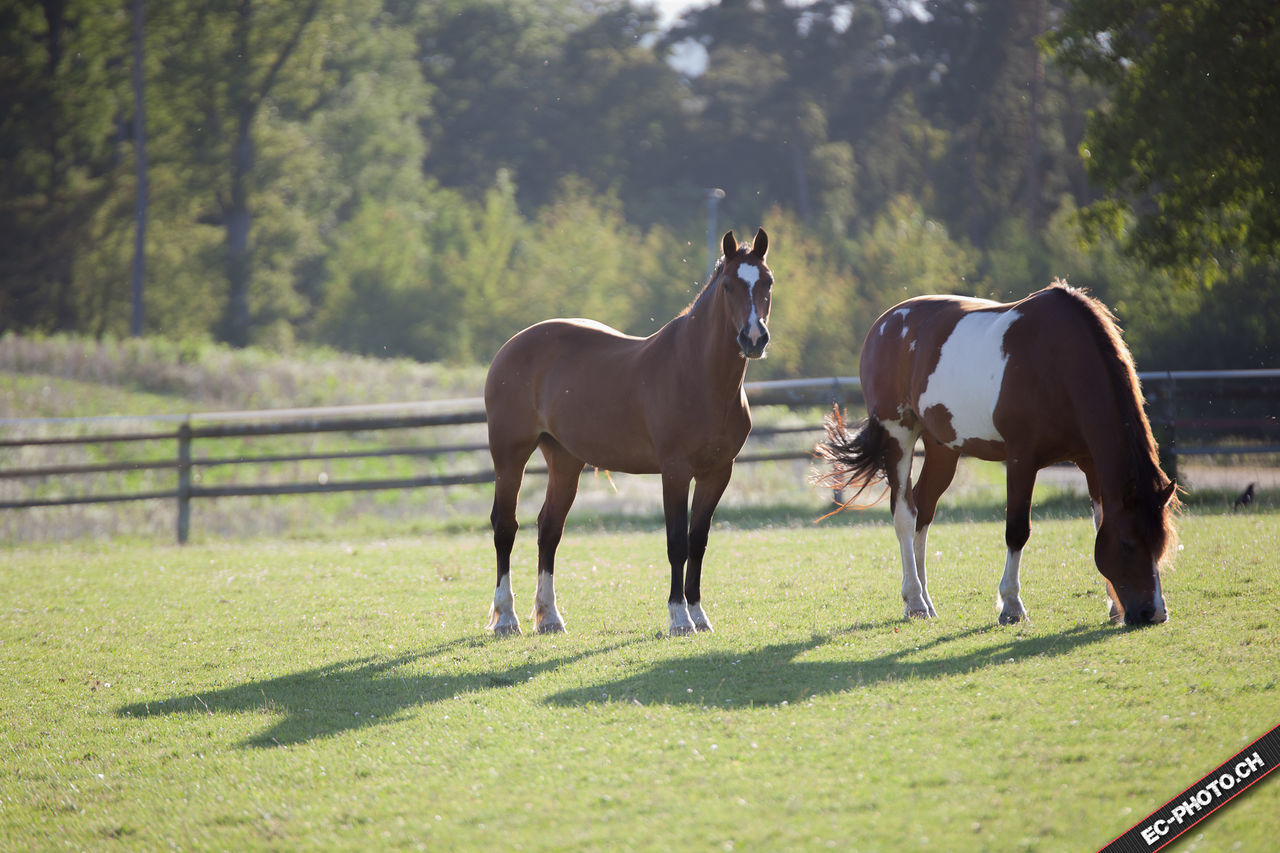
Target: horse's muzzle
(1145, 615)
(753, 341)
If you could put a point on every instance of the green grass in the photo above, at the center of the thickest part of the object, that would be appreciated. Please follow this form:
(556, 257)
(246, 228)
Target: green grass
(343, 695)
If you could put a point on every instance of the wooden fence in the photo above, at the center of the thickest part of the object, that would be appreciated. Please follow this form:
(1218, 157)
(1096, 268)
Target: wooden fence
(1241, 417)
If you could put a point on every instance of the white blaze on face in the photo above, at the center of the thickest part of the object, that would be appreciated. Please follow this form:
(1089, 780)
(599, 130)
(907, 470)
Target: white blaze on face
(750, 274)
(969, 374)
(1161, 613)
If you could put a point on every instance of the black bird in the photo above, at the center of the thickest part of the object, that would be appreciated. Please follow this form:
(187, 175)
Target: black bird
(1246, 498)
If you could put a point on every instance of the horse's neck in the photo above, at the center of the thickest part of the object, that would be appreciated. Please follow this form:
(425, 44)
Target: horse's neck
(1109, 440)
(703, 345)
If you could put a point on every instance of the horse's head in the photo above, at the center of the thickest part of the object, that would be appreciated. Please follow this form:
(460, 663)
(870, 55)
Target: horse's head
(1132, 543)
(746, 282)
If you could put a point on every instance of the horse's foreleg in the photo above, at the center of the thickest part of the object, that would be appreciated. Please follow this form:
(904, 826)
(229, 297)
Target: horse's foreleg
(1115, 612)
(675, 506)
(706, 496)
(936, 474)
(1020, 482)
(563, 472)
(901, 442)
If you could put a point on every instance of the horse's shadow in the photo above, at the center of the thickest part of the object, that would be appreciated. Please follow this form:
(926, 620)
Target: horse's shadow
(352, 694)
(774, 675)
(363, 692)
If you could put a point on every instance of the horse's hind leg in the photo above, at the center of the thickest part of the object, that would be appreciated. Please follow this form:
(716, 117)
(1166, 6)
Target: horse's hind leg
(563, 472)
(508, 471)
(936, 474)
(900, 443)
(1020, 481)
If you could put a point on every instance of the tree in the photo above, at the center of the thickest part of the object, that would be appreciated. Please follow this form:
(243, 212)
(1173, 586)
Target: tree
(906, 254)
(64, 90)
(138, 314)
(1186, 142)
(545, 90)
(251, 64)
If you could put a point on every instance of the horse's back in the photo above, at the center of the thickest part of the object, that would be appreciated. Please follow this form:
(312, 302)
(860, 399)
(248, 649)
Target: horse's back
(901, 348)
(970, 369)
(566, 351)
(577, 381)
(939, 361)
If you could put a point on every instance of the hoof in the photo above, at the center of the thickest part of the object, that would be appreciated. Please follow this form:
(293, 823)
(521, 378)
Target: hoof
(681, 622)
(700, 621)
(505, 630)
(550, 628)
(917, 614)
(1011, 610)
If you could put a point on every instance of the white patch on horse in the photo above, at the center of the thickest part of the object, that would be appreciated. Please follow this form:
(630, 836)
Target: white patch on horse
(502, 613)
(901, 314)
(681, 623)
(1008, 599)
(914, 595)
(546, 617)
(1162, 613)
(970, 371)
(700, 620)
(750, 273)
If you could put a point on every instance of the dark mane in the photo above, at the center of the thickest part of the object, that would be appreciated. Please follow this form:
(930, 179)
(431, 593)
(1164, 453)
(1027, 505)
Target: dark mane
(1142, 452)
(707, 286)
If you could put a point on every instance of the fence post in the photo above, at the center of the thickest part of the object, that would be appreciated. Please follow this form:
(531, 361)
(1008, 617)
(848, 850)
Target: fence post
(184, 481)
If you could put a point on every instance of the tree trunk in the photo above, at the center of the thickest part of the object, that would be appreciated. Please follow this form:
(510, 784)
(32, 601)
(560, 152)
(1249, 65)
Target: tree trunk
(140, 159)
(239, 220)
(247, 95)
(236, 216)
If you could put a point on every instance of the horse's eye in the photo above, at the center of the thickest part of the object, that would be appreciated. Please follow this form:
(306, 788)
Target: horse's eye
(1127, 547)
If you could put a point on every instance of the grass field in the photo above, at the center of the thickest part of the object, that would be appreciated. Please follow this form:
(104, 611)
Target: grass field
(343, 695)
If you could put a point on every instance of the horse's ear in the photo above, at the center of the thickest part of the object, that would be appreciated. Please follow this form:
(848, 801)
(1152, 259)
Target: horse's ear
(729, 244)
(761, 245)
(1167, 493)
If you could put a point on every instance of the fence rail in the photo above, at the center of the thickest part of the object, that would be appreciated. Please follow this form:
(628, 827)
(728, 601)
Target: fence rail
(1166, 391)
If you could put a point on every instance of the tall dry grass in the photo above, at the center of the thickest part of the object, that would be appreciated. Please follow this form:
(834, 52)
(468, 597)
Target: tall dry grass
(207, 376)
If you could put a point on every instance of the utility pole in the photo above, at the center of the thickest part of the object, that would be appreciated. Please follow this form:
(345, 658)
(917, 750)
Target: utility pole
(714, 197)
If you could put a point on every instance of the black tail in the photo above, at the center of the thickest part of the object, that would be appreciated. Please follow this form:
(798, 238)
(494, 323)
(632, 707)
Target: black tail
(857, 457)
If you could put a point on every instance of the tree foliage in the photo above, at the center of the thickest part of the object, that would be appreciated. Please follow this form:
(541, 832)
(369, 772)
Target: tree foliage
(424, 179)
(1186, 142)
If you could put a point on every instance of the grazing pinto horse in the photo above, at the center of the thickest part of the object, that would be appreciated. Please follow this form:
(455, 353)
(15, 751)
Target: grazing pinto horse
(1036, 382)
(669, 404)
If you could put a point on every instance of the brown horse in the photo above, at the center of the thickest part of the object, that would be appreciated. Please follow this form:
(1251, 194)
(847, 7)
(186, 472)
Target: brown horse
(1032, 383)
(669, 404)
